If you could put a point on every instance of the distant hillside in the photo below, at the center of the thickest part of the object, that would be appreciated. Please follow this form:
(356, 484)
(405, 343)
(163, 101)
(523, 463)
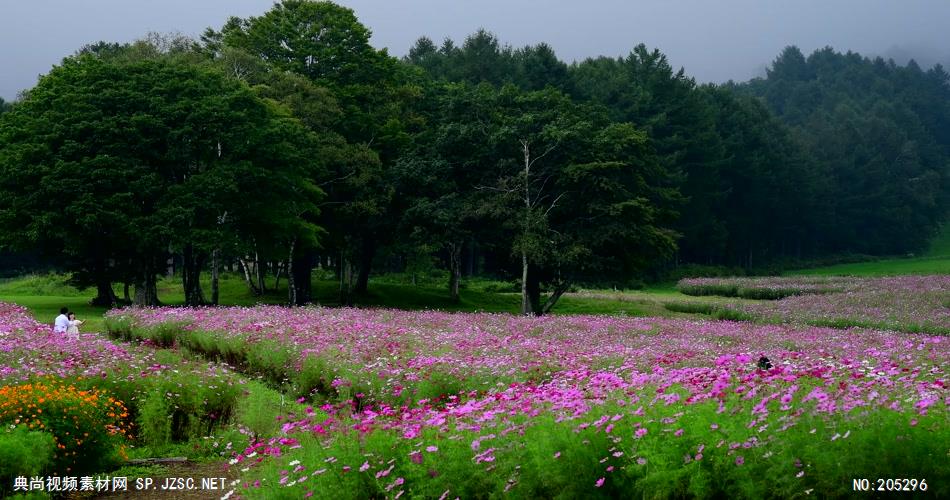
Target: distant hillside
(880, 133)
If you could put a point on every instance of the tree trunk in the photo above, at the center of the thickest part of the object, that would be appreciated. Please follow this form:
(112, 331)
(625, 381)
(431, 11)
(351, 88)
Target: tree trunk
(367, 252)
(299, 269)
(105, 296)
(470, 259)
(191, 276)
(455, 269)
(245, 267)
(187, 278)
(125, 293)
(214, 276)
(146, 290)
(558, 291)
(343, 295)
(259, 267)
(346, 282)
(533, 291)
(280, 270)
(291, 284)
(525, 303)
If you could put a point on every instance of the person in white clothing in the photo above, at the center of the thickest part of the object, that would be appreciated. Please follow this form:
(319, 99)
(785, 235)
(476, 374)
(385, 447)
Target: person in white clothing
(74, 323)
(61, 324)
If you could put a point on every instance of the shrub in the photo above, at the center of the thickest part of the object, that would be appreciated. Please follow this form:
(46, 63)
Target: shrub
(41, 284)
(119, 327)
(714, 310)
(155, 426)
(500, 287)
(88, 426)
(23, 453)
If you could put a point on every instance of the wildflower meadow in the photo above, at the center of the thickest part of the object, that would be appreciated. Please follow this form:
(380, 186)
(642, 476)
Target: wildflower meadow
(436, 405)
(382, 403)
(904, 303)
(78, 405)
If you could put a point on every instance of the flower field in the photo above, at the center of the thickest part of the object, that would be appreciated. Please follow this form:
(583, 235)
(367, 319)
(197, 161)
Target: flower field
(905, 303)
(430, 404)
(99, 398)
(766, 288)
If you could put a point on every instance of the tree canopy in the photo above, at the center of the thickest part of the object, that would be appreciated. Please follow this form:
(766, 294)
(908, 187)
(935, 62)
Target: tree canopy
(286, 142)
(127, 160)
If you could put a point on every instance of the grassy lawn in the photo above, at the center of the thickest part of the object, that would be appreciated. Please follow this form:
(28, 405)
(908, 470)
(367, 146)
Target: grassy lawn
(936, 260)
(44, 295)
(887, 267)
(45, 308)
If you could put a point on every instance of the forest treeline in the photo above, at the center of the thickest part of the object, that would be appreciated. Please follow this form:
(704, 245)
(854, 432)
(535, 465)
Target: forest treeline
(285, 142)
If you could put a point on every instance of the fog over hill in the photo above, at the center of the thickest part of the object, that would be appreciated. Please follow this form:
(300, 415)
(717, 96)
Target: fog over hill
(925, 57)
(714, 41)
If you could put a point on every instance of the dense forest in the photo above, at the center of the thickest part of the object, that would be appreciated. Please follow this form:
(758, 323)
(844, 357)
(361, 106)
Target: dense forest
(282, 143)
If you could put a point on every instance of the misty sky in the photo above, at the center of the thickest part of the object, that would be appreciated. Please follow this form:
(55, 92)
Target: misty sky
(715, 40)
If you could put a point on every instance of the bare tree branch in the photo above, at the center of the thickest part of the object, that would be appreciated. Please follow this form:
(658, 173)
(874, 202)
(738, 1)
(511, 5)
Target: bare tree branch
(500, 190)
(338, 179)
(545, 153)
(554, 203)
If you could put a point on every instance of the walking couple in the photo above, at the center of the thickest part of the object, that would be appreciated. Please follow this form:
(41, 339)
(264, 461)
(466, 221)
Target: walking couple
(66, 322)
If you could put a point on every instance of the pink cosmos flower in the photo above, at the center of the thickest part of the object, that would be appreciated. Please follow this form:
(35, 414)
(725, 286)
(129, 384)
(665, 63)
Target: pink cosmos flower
(384, 473)
(600, 482)
(740, 460)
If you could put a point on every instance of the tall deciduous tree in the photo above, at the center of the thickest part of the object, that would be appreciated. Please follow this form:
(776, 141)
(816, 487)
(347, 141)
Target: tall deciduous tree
(326, 43)
(579, 197)
(124, 160)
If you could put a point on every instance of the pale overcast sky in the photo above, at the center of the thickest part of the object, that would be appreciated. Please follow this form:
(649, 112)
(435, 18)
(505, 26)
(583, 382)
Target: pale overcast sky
(715, 40)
